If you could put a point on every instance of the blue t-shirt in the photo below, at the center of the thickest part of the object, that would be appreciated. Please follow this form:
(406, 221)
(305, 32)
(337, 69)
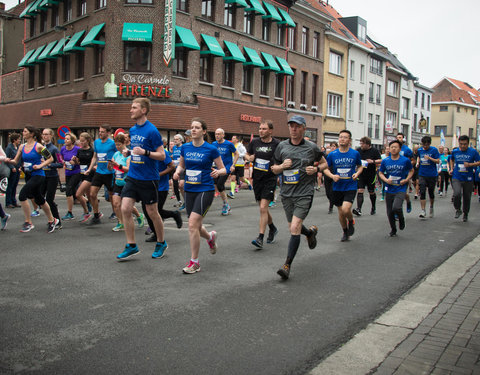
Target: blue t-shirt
(428, 168)
(149, 138)
(477, 174)
(105, 151)
(406, 151)
(30, 159)
(163, 184)
(444, 160)
(198, 166)
(460, 172)
(176, 154)
(119, 174)
(226, 149)
(344, 164)
(396, 170)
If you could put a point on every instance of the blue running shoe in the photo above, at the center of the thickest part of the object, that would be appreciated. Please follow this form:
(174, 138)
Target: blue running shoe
(35, 213)
(128, 252)
(272, 204)
(4, 221)
(182, 207)
(250, 187)
(225, 210)
(409, 207)
(159, 251)
(68, 216)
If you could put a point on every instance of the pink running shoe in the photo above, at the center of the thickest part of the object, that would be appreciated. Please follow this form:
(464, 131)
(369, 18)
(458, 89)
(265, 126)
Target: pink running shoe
(212, 242)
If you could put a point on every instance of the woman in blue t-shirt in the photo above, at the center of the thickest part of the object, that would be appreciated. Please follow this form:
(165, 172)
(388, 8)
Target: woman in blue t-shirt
(444, 172)
(196, 160)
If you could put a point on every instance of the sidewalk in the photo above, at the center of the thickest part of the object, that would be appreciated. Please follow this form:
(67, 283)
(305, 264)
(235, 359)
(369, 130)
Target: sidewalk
(434, 329)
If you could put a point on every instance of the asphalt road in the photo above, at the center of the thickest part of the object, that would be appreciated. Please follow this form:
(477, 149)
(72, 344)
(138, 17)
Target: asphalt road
(68, 307)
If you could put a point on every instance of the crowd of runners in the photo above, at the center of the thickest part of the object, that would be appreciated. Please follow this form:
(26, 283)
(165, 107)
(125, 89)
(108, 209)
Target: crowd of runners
(135, 166)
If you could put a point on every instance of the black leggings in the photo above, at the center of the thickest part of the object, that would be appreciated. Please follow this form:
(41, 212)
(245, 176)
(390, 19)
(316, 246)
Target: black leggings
(33, 189)
(165, 214)
(49, 189)
(444, 180)
(394, 203)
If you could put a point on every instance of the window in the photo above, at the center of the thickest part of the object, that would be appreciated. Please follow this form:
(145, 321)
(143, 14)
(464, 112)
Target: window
(415, 122)
(53, 72)
(55, 21)
(428, 103)
(228, 73)
(99, 62)
(371, 89)
(139, 1)
(350, 105)
(65, 68)
(291, 88)
(335, 65)
(405, 108)
(315, 44)
(362, 33)
(370, 125)
(377, 126)
(406, 131)
(291, 38)
(43, 22)
(247, 78)
(100, 4)
(208, 9)
(206, 65)
(41, 75)
(180, 63)
(379, 94)
(392, 88)
(305, 40)
(470, 133)
(405, 84)
(444, 108)
(423, 101)
(279, 78)
(33, 26)
(266, 29)
(229, 15)
(473, 111)
(376, 66)
(392, 119)
(264, 78)
(303, 88)
(67, 11)
(352, 70)
(182, 5)
(416, 99)
(82, 7)
(362, 73)
(360, 107)
(314, 89)
(31, 77)
(334, 104)
(458, 109)
(79, 64)
(138, 57)
(249, 23)
(281, 35)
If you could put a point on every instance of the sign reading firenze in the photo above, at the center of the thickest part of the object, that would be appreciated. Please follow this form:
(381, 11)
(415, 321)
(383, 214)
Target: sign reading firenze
(169, 32)
(144, 90)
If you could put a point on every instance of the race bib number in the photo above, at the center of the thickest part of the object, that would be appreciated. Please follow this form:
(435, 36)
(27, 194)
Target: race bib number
(27, 167)
(102, 157)
(425, 161)
(291, 176)
(462, 168)
(262, 165)
(364, 163)
(68, 166)
(344, 173)
(119, 175)
(193, 177)
(395, 180)
(83, 168)
(137, 159)
(176, 162)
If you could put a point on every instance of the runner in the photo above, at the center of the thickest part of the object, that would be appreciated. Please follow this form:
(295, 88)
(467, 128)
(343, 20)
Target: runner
(72, 172)
(226, 149)
(104, 148)
(141, 183)
(178, 185)
(407, 152)
(260, 153)
(395, 172)
(32, 153)
(345, 166)
(196, 161)
(370, 159)
(385, 154)
(239, 171)
(328, 182)
(4, 217)
(463, 163)
(83, 159)
(444, 171)
(427, 160)
(299, 160)
(14, 177)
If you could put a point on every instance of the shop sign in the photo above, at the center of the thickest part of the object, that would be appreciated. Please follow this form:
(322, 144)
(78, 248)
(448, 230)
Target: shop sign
(138, 85)
(46, 112)
(169, 32)
(250, 118)
(144, 91)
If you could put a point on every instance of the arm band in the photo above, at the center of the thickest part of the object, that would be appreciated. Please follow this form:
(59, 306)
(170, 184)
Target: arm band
(45, 153)
(147, 153)
(120, 167)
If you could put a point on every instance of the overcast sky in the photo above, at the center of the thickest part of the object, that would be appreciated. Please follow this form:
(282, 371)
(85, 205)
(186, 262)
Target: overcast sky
(432, 38)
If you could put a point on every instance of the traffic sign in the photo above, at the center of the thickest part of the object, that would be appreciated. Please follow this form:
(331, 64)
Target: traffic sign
(62, 131)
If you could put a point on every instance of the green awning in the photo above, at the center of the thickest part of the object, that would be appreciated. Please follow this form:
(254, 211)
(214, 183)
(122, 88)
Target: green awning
(240, 3)
(89, 40)
(255, 60)
(34, 58)
(27, 9)
(72, 43)
(47, 3)
(271, 12)
(287, 20)
(235, 53)
(45, 55)
(212, 45)
(185, 38)
(271, 63)
(285, 68)
(33, 10)
(58, 50)
(256, 7)
(137, 32)
(24, 61)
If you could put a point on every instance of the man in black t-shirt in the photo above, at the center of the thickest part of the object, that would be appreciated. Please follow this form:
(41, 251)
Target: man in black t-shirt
(370, 159)
(260, 152)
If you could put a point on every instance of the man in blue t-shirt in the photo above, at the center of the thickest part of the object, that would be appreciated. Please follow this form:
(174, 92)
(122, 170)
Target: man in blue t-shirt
(408, 153)
(226, 149)
(396, 171)
(463, 162)
(427, 159)
(141, 183)
(345, 165)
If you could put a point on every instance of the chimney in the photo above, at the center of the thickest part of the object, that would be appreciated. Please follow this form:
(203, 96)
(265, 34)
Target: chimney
(2, 6)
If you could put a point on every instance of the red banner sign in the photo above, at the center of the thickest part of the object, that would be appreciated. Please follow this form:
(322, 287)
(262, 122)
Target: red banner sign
(250, 118)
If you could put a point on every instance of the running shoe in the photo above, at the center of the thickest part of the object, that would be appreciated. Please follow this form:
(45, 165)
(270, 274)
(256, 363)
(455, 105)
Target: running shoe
(312, 239)
(159, 251)
(212, 242)
(5, 220)
(250, 187)
(401, 222)
(441, 193)
(27, 227)
(148, 231)
(95, 221)
(416, 196)
(458, 213)
(182, 207)
(191, 267)
(393, 233)
(128, 252)
(423, 214)
(68, 216)
(231, 195)
(118, 227)
(258, 243)
(85, 218)
(177, 216)
(237, 189)
(272, 204)
(357, 211)
(152, 238)
(141, 221)
(330, 210)
(373, 211)
(284, 272)
(409, 207)
(52, 225)
(35, 213)
(345, 235)
(173, 196)
(217, 194)
(431, 211)
(112, 216)
(225, 210)
(465, 218)
(178, 204)
(271, 235)
(59, 225)
(382, 199)
(351, 227)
